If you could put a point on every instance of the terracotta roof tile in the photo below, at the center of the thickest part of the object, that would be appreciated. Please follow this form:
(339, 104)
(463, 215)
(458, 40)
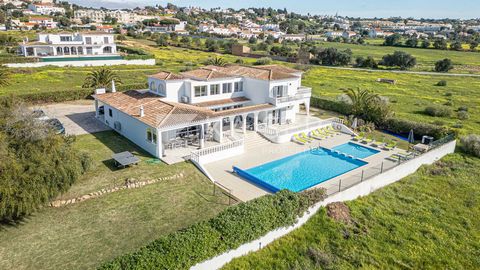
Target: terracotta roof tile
(165, 75)
(207, 74)
(253, 72)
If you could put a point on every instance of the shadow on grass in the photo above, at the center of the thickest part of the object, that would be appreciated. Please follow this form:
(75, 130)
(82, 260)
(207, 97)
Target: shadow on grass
(218, 198)
(117, 143)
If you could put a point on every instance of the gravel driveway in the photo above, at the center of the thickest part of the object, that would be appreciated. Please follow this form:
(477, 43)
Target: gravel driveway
(77, 117)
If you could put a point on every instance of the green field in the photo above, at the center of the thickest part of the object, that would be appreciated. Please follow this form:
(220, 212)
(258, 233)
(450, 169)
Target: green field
(428, 220)
(464, 62)
(83, 235)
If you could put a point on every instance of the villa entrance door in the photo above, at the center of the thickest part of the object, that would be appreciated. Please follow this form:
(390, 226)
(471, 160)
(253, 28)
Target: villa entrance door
(276, 117)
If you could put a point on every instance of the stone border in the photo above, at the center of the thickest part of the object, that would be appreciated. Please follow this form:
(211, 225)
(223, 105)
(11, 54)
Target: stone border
(129, 184)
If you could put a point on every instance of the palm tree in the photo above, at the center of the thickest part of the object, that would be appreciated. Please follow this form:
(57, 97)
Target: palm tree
(101, 78)
(216, 61)
(362, 101)
(4, 77)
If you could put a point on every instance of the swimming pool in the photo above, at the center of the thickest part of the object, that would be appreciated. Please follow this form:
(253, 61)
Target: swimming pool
(300, 171)
(356, 150)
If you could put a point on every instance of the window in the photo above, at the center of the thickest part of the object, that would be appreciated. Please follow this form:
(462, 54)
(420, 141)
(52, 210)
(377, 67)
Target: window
(151, 135)
(105, 40)
(65, 38)
(214, 89)
(238, 87)
(152, 86)
(110, 113)
(280, 91)
(200, 91)
(88, 40)
(227, 88)
(161, 89)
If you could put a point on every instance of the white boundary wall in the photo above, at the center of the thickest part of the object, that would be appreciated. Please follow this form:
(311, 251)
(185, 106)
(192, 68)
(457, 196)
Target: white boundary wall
(362, 189)
(93, 63)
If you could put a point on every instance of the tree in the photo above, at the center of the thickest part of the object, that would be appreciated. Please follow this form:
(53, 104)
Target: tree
(368, 62)
(425, 43)
(444, 65)
(393, 40)
(473, 45)
(216, 61)
(412, 42)
(185, 40)
(440, 44)
(456, 46)
(4, 77)
(400, 59)
(368, 105)
(86, 20)
(252, 40)
(101, 78)
(162, 40)
(334, 57)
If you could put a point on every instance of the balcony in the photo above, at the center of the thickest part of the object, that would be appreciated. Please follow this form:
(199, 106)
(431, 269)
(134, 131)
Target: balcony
(302, 93)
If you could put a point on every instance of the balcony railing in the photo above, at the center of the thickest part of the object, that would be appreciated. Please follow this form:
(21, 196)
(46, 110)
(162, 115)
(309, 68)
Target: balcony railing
(302, 93)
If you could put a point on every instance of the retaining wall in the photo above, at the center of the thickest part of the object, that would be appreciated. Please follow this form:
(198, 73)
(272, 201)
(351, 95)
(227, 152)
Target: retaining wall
(146, 62)
(362, 189)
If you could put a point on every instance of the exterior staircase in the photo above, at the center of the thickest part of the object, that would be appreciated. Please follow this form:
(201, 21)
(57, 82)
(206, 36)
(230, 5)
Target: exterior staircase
(253, 141)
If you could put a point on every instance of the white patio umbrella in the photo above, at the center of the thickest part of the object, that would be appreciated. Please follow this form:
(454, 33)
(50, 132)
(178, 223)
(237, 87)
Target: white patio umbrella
(355, 123)
(114, 89)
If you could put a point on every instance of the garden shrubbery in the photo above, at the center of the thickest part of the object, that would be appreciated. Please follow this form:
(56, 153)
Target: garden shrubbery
(471, 144)
(438, 111)
(233, 227)
(402, 126)
(36, 165)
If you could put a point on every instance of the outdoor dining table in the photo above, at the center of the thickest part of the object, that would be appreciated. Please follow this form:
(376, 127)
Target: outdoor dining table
(124, 159)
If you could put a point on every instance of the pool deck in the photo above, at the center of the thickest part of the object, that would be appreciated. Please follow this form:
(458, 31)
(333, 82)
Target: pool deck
(259, 151)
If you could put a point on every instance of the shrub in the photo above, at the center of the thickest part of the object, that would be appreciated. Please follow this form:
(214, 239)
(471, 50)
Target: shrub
(444, 65)
(463, 115)
(463, 108)
(320, 258)
(368, 62)
(448, 94)
(438, 111)
(230, 229)
(449, 103)
(442, 83)
(403, 126)
(471, 144)
(399, 59)
(263, 61)
(330, 105)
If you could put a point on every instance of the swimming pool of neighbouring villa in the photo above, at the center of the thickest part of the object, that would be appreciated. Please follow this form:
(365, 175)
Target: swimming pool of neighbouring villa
(307, 169)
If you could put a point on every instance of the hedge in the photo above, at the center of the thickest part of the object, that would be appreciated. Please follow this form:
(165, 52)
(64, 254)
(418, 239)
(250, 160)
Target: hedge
(395, 125)
(71, 94)
(330, 105)
(233, 227)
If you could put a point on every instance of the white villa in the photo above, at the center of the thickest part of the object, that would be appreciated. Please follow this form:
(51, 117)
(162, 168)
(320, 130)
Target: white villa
(70, 44)
(207, 107)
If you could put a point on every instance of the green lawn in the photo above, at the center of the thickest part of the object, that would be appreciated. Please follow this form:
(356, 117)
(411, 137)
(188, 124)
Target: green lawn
(428, 220)
(465, 62)
(409, 96)
(83, 235)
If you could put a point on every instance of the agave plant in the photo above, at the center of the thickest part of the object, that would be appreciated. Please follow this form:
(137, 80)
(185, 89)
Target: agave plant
(101, 78)
(216, 61)
(4, 77)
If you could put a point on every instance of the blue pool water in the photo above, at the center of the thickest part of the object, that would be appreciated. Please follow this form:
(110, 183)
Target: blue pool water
(300, 171)
(356, 150)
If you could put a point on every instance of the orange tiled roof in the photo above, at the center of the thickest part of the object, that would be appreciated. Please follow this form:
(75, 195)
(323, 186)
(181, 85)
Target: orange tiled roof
(260, 73)
(165, 75)
(207, 74)
(160, 113)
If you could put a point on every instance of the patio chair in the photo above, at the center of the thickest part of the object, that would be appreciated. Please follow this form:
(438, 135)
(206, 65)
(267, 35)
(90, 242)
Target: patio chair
(296, 138)
(390, 146)
(359, 137)
(305, 137)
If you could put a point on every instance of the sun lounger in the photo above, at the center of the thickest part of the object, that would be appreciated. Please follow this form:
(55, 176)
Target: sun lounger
(332, 130)
(314, 135)
(367, 139)
(305, 137)
(297, 139)
(359, 137)
(390, 146)
(319, 134)
(324, 132)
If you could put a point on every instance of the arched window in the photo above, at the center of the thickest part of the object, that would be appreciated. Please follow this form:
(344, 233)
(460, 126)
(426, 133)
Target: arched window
(161, 89)
(73, 50)
(152, 86)
(59, 50)
(107, 49)
(66, 50)
(80, 50)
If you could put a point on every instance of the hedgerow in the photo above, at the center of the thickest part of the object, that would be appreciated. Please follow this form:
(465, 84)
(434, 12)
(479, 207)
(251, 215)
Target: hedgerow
(233, 227)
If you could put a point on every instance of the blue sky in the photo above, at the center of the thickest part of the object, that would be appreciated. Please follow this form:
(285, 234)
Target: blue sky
(362, 8)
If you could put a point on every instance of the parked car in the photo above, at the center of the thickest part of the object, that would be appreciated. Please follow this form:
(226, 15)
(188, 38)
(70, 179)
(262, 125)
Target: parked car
(54, 123)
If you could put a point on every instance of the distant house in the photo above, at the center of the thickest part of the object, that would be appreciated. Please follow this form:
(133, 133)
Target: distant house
(43, 22)
(70, 44)
(179, 26)
(45, 8)
(377, 32)
(294, 37)
(334, 34)
(349, 34)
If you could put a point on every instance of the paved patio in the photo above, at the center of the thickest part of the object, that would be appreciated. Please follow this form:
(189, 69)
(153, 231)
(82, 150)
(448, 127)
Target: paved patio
(259, 151)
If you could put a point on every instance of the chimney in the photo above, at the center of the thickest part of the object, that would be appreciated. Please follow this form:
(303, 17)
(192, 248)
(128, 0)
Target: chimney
(142, 111)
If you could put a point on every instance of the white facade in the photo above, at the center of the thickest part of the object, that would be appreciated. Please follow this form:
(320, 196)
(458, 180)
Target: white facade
(45, 9)
(70, 44)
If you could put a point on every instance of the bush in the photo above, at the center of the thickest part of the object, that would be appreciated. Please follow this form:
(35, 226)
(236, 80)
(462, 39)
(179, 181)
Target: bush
(236, 225)
(442, 83)
(438, 111)
(368, 62)
(263, 61)
(399, 59)
(463, 108)
(444, 65)
(330, 105)
(463, 115)
(471, 144)
(36, 165)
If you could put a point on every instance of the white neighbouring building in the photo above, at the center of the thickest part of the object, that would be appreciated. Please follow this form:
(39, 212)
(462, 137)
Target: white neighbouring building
(209, 108)
(45, 8)
(70, 44)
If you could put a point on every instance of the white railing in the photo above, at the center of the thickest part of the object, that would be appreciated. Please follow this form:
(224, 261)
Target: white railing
(312, 125)
(302, 93)
(198, 154)
(264, 129)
